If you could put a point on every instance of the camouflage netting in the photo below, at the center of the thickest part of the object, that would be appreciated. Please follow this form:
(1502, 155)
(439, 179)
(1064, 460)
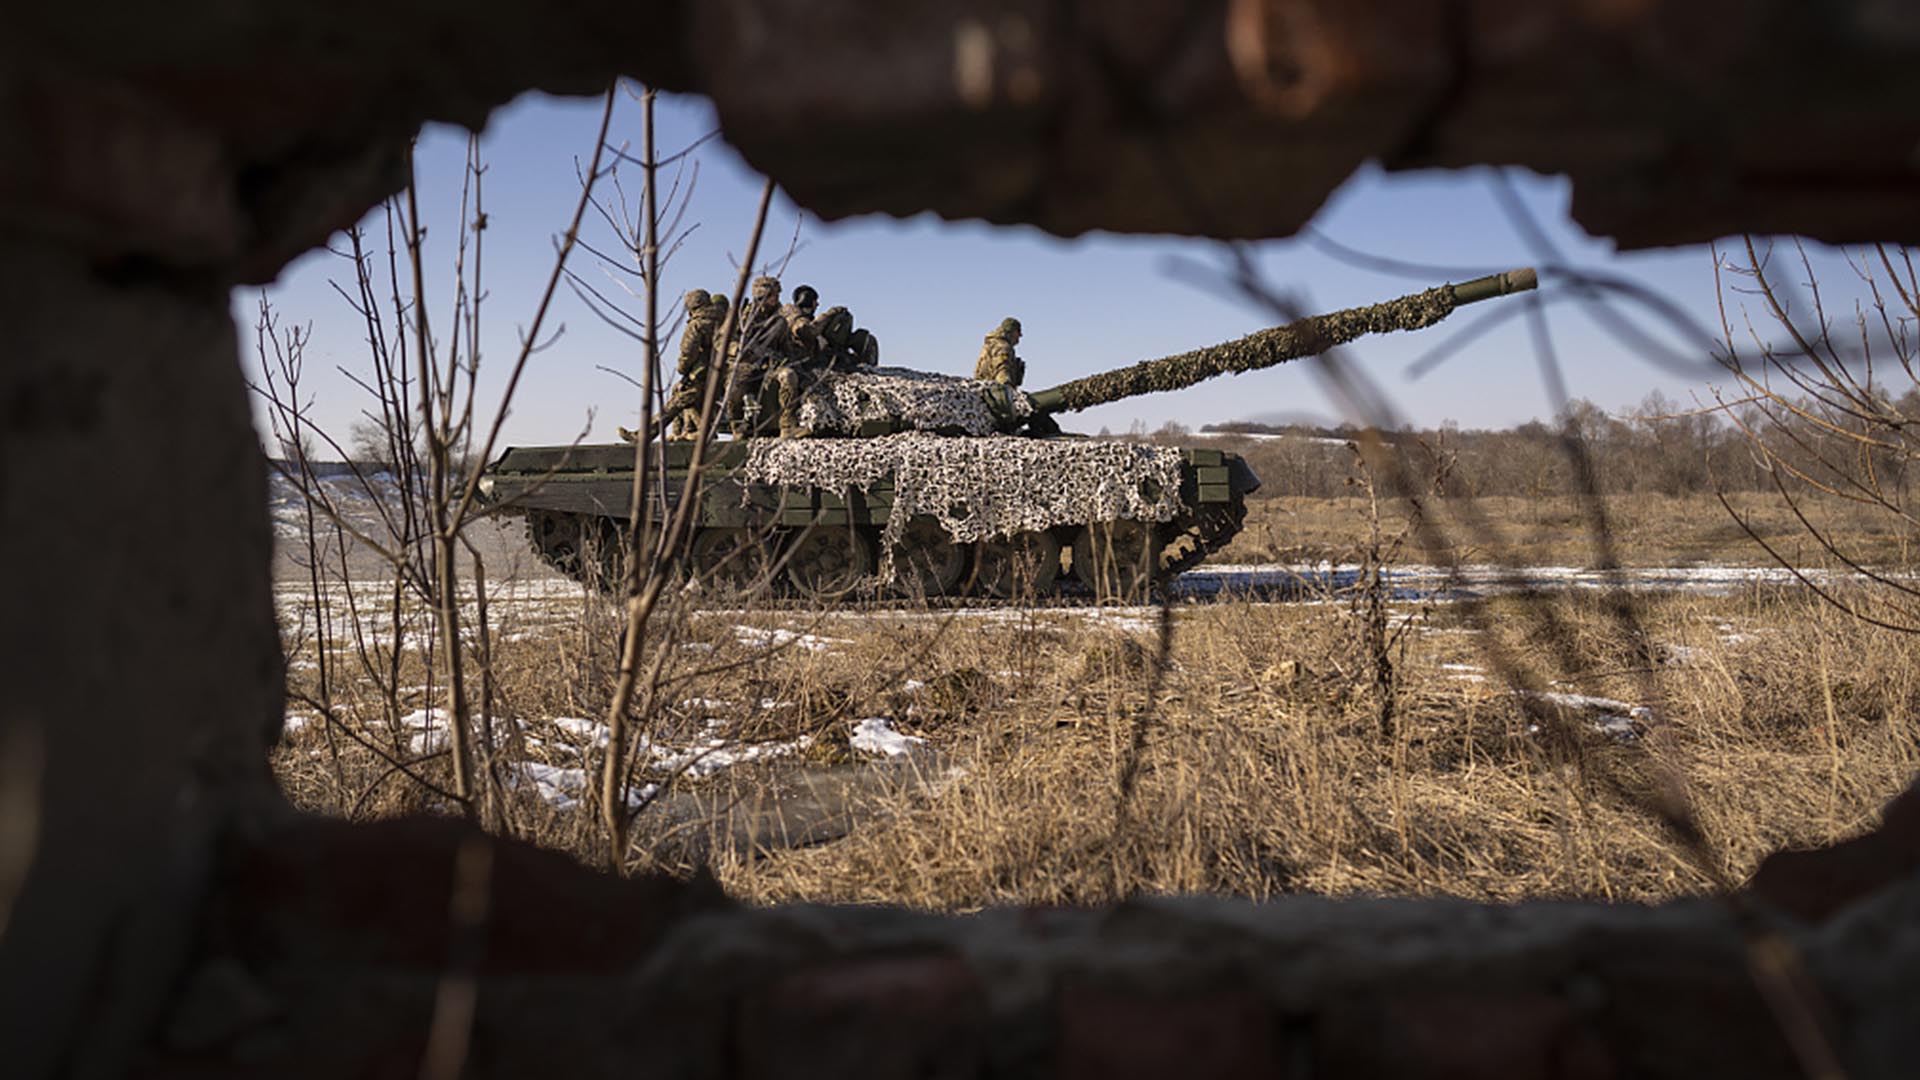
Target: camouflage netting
(918, 400)
(983, 487)
(1303, 337)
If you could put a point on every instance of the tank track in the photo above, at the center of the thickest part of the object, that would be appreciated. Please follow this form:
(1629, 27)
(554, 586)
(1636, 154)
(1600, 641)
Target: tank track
(558, 538)
(1197, 536)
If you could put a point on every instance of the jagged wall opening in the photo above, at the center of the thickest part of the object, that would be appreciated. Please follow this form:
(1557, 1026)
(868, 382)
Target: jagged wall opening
(163, 911)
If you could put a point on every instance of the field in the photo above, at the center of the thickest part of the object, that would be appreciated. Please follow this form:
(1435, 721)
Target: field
(1496, 736)
(1648, 530)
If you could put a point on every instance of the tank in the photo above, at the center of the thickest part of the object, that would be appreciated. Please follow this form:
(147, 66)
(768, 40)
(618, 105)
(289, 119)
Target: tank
(919, 485)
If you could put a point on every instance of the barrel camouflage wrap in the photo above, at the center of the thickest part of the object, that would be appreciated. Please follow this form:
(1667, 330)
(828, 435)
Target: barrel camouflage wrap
(1302, 337)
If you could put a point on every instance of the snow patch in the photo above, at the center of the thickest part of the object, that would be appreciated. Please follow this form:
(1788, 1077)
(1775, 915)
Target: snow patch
(562, 788)
(431, 726)
(583, 732)
(877, 736)
(1617, 719)
(778, 637)
(716, 754)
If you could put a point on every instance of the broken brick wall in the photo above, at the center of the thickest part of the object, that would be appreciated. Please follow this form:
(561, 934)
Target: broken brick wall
(152, 156)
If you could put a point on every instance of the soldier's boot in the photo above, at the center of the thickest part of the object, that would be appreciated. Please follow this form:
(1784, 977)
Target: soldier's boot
(628, 435)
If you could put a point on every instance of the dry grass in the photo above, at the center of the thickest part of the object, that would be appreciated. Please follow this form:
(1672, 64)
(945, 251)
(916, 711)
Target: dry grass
(1265, 772)
(1648, 530)
(1264, 768)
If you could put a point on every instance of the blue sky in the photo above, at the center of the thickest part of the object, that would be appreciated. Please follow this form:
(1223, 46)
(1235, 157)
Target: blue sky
(930, 288)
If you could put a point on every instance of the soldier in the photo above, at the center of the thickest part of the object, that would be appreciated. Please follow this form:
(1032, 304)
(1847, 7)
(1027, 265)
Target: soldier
(761, 327)
(807, 299)
(806, 357)
(705, 313)
(998, 362)
(764, 342)
(800, 323)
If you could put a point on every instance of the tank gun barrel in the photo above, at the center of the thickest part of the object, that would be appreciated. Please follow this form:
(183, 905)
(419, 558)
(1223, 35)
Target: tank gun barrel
(1309, 336)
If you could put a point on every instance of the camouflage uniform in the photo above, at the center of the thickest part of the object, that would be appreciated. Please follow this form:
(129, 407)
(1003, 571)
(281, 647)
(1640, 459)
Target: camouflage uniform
(802, 361)
(998, 362)
(804, 335)
(705, 313)
(764, 342)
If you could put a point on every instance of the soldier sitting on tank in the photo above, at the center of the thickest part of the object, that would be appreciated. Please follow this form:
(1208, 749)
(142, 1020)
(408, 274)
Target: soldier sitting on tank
(705, 313)
(805, 302)
(998, 362)
(764, 343)
(805, 358)
(681, 417)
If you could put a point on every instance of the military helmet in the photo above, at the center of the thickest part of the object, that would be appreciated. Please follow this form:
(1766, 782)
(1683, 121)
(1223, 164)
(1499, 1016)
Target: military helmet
(766, 288)
(806, 297)
(697, 299)
(719, 304)
(1009, 326)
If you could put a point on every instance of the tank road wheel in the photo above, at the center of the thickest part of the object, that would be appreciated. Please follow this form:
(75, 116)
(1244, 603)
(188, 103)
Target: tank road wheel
(826, 562)
(1009, 567)
(1117, 559)
(555, 538)
(731, 558)
(586, 549)
(926, 561)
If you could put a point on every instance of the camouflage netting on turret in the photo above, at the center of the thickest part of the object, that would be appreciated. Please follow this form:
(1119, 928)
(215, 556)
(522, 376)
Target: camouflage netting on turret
(839, 403)
(986, 487)
(1303, 337)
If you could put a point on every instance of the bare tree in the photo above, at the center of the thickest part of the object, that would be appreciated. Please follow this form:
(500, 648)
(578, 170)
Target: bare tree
(414, 472)
(1829, 406)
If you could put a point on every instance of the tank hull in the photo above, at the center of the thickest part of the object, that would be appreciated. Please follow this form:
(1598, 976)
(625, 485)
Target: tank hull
(826, 543)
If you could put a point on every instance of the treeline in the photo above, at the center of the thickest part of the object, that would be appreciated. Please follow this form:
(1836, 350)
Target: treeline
(1659, 447)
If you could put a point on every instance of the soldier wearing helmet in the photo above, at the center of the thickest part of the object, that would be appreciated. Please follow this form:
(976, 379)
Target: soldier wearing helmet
(705, 313)
(807, 299)
(804, 334)
(805, 358)
(761, 328)
(764, 343)
(998, 362)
